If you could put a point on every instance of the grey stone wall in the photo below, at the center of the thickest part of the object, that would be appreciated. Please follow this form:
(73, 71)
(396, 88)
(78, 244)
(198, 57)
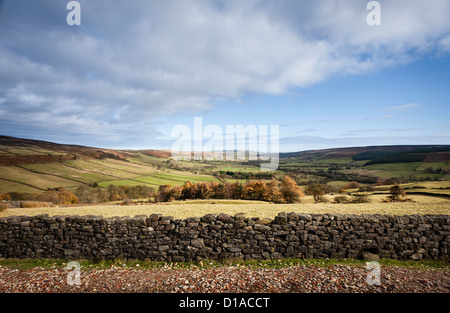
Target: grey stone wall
(220, 236)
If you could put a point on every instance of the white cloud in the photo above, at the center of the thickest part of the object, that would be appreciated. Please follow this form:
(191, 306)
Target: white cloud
(134, 62)
(444, 44)
(403, 107)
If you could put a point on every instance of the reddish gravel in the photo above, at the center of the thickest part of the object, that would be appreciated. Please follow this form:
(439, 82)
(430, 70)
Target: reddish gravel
(236, 279)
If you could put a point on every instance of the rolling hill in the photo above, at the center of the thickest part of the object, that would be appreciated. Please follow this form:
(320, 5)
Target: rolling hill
(406, 162)
(34, 166)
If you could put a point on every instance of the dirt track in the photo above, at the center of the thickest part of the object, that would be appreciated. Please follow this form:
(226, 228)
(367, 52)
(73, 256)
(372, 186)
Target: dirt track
(237, 279)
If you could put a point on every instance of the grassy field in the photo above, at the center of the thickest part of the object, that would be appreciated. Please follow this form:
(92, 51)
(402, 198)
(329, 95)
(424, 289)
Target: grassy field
(402, 170)
(423, 205)
(431, 188)
(25, 178)
(74, 173)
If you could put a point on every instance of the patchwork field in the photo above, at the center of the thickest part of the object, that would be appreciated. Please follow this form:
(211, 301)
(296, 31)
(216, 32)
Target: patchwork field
(71, 174)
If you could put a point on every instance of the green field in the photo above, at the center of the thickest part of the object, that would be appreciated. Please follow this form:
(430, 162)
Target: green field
(25, 179)
(405, 171)
(74, 173)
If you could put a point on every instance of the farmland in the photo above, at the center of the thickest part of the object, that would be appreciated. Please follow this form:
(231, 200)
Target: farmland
(29, 166)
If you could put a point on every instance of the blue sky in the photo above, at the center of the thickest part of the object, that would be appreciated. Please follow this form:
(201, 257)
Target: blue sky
(133, 71)
(406, 104)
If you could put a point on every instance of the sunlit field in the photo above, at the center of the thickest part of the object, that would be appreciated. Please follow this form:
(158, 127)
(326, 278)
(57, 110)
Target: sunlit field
(422, 205)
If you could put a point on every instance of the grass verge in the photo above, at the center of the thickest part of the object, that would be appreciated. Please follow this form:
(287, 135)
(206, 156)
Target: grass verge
(281, 263)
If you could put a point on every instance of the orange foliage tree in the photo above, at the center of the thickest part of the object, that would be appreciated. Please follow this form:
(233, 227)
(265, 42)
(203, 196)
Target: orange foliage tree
(285, 192)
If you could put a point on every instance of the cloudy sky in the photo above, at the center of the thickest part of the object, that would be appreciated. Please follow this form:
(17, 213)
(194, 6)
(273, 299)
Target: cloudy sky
(134, 69)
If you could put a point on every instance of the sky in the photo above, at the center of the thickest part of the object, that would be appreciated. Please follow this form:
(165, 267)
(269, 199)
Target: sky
(134, 70)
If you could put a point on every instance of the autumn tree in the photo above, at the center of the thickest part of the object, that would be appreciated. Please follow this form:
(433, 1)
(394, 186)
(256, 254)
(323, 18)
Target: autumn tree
(255, 190)
(236, 190)
(163, 194)
(202, 190)
(5, 197)
(274, 193)
(187, 191)
(290, 191)
(217, 190)
(58, 197)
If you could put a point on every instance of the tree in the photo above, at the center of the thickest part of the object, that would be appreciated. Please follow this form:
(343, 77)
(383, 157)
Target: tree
(58, 197)
(202, 190)
(255, 190)
(290, 190)
(396, 192)
(67, 197)
(274, 193)
(164, 194)
(316, 190)
(5, 197)
(187, 191)
(217, 190)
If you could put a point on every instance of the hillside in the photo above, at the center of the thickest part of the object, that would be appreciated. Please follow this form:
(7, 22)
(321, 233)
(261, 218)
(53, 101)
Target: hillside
(34, 166)
(406, 162)
(368, 152)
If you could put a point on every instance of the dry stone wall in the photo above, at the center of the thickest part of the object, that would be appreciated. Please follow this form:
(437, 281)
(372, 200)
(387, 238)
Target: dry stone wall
(221, 236)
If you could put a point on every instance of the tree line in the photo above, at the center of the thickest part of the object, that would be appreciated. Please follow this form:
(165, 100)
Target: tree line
(57, 197)
(113, 193)
(83, 195)
(284, 191)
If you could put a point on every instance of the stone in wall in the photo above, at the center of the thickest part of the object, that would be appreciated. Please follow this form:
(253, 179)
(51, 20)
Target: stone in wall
(221, 236)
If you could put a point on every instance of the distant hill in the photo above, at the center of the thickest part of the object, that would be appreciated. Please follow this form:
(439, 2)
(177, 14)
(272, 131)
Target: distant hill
(28, 165)
(29, 151)
(379, 154)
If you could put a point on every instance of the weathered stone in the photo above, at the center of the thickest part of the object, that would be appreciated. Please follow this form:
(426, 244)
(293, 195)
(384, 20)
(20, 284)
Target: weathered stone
(305, 217)
(155, 217)
(259, 227)
(263, 221)
(240, 217)
(225, 218)
(209, 218)
(371, 256)
(416, 256)
(198, 243)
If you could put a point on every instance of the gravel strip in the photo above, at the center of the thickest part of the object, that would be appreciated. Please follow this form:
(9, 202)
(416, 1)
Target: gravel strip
(236, 279)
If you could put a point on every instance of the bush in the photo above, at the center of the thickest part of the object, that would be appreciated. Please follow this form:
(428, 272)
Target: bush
(5, 197)
(4, 206)
(341, 199)
(366, 189)
(34, 204)
(58, 197)
(360, 199)
(351, 185)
